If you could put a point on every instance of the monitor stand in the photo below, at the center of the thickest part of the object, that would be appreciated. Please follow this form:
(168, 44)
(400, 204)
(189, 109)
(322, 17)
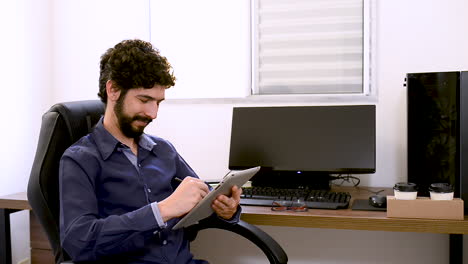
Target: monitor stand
(292, 180)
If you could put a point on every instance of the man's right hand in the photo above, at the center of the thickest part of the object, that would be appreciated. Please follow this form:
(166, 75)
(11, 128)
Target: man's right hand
(189, 192)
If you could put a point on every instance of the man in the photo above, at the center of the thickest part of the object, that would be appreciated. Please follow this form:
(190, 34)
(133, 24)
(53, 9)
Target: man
(118, 197)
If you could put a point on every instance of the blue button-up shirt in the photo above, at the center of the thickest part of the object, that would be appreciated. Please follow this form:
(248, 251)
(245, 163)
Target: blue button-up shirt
(108, 200)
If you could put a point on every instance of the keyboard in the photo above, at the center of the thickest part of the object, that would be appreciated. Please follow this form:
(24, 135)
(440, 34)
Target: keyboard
(316, 199)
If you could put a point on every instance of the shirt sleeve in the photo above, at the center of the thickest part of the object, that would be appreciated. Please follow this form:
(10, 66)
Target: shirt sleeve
(157, 215)
(84, 235)
(235, 218)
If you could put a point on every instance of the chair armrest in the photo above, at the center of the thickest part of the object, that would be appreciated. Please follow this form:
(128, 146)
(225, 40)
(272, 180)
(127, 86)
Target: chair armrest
(265, 242)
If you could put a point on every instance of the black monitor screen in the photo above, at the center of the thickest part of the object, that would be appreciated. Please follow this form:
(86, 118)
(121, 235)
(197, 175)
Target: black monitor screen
(325, 139)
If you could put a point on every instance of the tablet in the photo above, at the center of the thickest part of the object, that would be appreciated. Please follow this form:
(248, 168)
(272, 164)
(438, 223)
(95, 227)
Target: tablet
(203, 208)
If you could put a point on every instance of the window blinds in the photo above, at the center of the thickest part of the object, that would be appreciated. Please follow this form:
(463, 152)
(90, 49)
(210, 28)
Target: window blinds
(307, 46)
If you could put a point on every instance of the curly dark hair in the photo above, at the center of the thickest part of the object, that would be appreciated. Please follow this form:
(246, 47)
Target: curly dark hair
(134, 64)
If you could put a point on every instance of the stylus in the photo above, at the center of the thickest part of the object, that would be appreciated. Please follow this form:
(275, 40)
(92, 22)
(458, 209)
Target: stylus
(180, 180)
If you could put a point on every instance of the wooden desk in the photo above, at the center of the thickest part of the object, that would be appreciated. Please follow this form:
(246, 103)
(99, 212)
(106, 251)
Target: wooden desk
(314, 218)
(352, 219)
(361, 220)
(41, 252)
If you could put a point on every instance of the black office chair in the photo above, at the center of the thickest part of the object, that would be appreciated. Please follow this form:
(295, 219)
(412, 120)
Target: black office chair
(61, 126)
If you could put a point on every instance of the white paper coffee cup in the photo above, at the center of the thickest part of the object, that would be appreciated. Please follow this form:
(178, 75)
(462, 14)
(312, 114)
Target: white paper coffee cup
(441, 191)
(405, 191)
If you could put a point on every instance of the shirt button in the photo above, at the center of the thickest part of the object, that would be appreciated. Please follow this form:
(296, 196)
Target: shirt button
(164, 242)
(149, 190)
(139, 165)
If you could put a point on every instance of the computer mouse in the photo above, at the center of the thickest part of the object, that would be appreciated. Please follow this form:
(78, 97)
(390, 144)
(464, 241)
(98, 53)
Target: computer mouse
(378, 201)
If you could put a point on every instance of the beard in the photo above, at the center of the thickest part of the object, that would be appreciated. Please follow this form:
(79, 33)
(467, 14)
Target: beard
(125, 121)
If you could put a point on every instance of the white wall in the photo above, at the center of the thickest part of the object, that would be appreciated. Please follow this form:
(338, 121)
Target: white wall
(412, 36)
(60, 63)
(25, 73)
(82, 32)
(326, 246)
(217, 42)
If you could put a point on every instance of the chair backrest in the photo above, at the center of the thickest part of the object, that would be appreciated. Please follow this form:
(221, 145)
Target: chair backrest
(61, 126)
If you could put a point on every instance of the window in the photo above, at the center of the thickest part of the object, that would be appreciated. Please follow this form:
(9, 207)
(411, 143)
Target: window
(311, 47)
(265, 48)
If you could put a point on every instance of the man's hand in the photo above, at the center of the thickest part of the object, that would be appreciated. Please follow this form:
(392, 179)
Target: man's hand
(225, 207)
(189, 192)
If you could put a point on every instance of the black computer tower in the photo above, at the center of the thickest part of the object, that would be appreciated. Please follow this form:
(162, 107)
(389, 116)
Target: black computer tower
(438, 130)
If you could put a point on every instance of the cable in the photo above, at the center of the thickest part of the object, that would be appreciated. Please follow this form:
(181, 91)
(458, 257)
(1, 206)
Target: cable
(346, 178)
(374, 192)
(354, 180)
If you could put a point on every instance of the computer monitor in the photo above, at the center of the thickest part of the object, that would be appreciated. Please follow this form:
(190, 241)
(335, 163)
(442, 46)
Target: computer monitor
(303, 145)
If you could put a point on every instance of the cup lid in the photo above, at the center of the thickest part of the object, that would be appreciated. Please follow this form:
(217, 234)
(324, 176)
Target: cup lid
(441, 188)
(405, 187)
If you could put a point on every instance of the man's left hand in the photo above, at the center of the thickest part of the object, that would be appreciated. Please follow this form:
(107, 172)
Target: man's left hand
(224, 206)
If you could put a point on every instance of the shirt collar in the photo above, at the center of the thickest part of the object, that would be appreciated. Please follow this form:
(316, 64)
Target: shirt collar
(107, 143)
(146, 142)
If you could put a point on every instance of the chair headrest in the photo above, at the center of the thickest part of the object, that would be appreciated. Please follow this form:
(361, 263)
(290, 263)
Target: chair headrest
(79, 116)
